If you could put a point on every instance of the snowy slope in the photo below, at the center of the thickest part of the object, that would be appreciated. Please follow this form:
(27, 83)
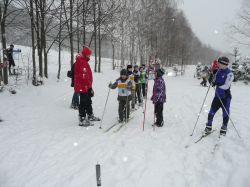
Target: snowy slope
(42, 145)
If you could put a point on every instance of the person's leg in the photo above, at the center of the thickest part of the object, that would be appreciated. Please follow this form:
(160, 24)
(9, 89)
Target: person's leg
(127, 108)
(82, 106)
(226, 102)
(75, 100)
(133, 99)
(159, 114)
(138, 92)
(143, 89)
(214, 108)
(121, 109)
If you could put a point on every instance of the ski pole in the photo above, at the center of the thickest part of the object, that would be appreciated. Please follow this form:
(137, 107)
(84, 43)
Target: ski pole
(154, 94)
(200, 110)
(227, 113)
(104, 109)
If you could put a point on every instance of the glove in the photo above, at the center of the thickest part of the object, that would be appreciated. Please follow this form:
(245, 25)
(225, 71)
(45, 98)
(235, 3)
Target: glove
(91, 92)
(110, 85)
(213, 84)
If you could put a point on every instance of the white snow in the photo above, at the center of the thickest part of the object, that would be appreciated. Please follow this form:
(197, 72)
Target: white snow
(42, 145)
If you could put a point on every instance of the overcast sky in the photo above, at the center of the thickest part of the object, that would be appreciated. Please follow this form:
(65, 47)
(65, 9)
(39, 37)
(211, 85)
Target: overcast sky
(208, 19)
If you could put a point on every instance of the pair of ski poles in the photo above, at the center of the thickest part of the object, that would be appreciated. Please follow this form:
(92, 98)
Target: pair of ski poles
(224, 108)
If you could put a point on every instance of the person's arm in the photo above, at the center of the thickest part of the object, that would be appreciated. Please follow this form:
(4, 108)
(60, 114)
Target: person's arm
(16, 50)
(228, 82)
(114, 85)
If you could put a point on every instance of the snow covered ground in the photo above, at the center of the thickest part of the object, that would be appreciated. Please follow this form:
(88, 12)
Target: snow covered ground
(42, 145)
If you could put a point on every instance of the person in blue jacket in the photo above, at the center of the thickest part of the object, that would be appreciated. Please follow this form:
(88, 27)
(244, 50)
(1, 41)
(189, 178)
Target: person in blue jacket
(222, 99)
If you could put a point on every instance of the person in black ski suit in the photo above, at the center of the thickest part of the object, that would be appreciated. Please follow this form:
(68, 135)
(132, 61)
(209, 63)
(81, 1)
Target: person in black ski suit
(10, 51)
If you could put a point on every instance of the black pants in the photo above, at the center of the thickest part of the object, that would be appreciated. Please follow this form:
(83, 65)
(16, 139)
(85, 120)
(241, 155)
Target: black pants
(85, 106)
(159, 113)
(124, 107)
(204, 82)
(11, 63)
(138, 93)
(143, 88)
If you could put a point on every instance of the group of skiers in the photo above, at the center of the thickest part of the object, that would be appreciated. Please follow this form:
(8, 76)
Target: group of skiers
(132, 89)
(132, 82)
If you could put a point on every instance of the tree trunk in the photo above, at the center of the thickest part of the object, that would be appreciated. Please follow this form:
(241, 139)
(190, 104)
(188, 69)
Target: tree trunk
(71, 33)
(34, 81)
(3, 36)
(84, 22)
(113, 55)
(94, 12)
(99, 36)
(59, 42)
(77, 25)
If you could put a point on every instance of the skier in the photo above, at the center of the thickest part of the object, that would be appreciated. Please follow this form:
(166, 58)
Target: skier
(159, 96)
(83, 85)
(10, 51)
(143, 79)
(213, 70)
(204, 76)
(198, 70)
(222, 98)
(124, 85)
(132, 79)
(136, 74)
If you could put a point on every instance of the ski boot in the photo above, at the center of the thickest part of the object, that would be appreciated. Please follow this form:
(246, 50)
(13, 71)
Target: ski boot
(208, 129)
(160, 125)
(223, 130)
(93, 118)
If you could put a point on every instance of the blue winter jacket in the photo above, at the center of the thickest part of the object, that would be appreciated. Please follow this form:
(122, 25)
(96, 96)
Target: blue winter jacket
(223, 81)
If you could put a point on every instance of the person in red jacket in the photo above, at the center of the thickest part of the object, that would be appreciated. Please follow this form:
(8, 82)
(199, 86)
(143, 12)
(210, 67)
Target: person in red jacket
(83, 80)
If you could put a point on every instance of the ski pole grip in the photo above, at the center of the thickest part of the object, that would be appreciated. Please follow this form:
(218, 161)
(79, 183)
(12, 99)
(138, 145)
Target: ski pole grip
(98, 174)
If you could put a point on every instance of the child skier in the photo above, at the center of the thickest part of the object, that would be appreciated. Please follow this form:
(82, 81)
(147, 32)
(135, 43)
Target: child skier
(124, 86)
(132, 79)
(143, 79)
(159, 96)
(136, 74)
(204, 76)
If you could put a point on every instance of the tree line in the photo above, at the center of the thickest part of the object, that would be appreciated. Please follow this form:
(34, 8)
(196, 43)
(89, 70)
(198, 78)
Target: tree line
(136, 30)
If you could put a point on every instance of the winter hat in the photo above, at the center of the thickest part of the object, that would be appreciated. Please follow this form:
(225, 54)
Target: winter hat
(136, 66)
(123, 72)
(86, 51)
(223, 60)
(129, 66)
(160, 72)
(11, 45)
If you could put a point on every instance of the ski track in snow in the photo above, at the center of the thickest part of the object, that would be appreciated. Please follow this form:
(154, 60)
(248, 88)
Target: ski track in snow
(42, 145)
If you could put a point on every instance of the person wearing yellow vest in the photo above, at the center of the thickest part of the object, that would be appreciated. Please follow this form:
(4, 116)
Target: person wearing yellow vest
(124, 86)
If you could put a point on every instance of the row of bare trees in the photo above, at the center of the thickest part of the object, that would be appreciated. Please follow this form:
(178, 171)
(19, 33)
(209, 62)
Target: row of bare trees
(136, 29)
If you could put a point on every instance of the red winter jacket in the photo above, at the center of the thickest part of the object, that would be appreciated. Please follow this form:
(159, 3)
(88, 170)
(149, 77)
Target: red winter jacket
(215, 66)
(82, 75)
